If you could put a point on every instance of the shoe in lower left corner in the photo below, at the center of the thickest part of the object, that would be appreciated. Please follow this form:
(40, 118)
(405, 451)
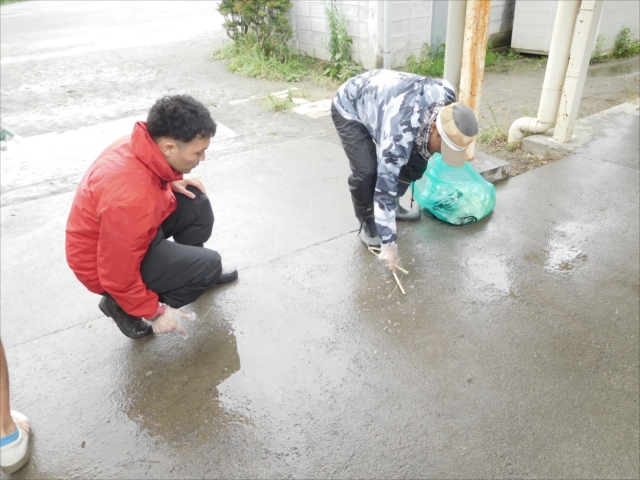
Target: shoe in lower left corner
(15, 449)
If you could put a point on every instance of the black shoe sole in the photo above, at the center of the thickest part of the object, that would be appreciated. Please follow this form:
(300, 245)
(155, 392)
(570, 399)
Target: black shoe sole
(408, 219)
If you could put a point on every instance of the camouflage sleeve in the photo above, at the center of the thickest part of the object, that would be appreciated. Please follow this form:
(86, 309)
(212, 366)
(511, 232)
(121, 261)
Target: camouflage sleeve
(393, 153)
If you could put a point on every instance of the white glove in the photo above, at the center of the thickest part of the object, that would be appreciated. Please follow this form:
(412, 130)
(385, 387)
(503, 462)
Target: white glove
(389, 256)
(169, 321)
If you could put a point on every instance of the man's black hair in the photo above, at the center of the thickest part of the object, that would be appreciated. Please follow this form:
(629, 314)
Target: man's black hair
(180, 117)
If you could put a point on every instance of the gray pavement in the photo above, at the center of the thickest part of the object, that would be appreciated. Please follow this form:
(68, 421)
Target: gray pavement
(514, 353)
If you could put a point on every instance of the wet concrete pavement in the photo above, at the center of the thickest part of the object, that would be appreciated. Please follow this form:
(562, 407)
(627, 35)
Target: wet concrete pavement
(513, 354)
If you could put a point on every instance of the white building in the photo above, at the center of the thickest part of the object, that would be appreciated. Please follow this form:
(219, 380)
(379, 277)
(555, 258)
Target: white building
(413, 23)
(533, 24)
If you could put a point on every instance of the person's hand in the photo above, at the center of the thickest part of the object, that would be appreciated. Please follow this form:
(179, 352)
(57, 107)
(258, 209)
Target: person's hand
(180, 186)
(169, 321)
(389, 256)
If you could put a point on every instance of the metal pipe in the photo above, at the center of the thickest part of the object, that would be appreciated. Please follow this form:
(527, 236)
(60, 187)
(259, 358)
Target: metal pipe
(581, 48)
(454, 42)
(476, 36)
(557, 63)
(386, 43)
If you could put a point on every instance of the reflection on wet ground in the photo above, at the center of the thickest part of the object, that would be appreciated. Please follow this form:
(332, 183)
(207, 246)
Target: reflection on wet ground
(170, 388)
(562, 253)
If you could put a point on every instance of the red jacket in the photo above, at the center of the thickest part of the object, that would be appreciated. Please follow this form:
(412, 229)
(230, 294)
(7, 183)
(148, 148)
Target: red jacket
(120, 203)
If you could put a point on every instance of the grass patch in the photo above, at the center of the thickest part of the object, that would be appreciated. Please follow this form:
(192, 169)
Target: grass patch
(245, 58)
(282, 103)
(428, 63)
(5, 2)
(626, 46)
(493, 134)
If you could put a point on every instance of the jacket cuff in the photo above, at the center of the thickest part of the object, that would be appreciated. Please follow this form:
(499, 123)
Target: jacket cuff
(159, 313)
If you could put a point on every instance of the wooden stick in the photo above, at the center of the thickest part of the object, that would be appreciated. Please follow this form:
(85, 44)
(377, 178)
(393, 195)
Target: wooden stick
(399, 284)
(402, 269)
(373, 250)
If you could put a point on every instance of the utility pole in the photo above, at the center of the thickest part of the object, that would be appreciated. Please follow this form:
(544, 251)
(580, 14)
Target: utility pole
(476, 36)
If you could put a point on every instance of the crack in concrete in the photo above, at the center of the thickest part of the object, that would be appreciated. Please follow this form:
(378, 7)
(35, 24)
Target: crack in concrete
(246, 268)
(608, 163)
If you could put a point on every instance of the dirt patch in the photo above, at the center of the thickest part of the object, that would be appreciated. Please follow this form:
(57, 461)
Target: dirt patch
(512, 90)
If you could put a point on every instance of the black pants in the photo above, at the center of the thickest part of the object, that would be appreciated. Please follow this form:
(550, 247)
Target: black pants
(182, 270)
(363, 160)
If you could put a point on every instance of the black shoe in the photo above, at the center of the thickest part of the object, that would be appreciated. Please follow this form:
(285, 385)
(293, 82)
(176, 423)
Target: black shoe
(132, 327)
(368, 233)
(228, 275)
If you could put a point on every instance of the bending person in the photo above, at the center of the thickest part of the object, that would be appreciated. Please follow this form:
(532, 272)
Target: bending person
(390, 123)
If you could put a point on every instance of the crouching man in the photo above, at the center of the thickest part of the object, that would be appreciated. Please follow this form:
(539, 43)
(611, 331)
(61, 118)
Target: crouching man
(132, 199)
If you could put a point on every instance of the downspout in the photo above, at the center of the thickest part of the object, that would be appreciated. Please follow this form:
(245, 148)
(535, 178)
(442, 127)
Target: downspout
(581, 49)
(386, 41)
(554, 75)
(454, 41)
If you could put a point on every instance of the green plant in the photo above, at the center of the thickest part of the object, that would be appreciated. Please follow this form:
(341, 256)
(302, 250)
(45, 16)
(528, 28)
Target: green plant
(245, 57)
(493, 133)
(626, 45)
(264, 20)
(277, 103)
(512, 54)
(596, 55)
(491, 58)
(341, 65)
(428, 63)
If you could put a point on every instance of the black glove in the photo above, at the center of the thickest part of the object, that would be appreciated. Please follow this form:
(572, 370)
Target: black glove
(411, 171)
(415, 167)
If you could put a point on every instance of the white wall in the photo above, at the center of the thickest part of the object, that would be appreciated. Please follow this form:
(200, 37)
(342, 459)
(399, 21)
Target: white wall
(410, 28)
(534, 19)
(311, 36)
(617, 14)
(501, 22)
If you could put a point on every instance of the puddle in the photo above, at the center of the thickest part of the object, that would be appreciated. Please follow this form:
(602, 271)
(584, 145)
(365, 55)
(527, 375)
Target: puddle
(563, 253)
(489, 277)
(562, 258)
(615, 69)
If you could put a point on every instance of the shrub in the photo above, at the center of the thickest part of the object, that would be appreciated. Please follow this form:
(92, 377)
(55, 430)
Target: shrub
(626, 45)
(264, 20)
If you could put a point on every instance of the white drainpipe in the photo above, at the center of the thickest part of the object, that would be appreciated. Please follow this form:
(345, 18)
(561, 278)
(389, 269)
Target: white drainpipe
(386, 41)
(454, 41)
(554, 75)
(581, 48)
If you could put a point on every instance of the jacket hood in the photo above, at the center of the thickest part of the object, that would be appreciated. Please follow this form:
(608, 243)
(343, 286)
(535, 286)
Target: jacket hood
(148, 152)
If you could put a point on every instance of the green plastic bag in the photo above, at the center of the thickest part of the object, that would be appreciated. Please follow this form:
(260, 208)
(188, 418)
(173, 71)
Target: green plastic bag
(456, 195)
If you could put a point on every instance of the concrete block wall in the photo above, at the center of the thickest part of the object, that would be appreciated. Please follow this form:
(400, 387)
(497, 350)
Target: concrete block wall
(410, 28)
(311, 30)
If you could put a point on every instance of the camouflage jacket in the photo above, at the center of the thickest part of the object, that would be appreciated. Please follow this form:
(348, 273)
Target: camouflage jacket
(391, 105)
